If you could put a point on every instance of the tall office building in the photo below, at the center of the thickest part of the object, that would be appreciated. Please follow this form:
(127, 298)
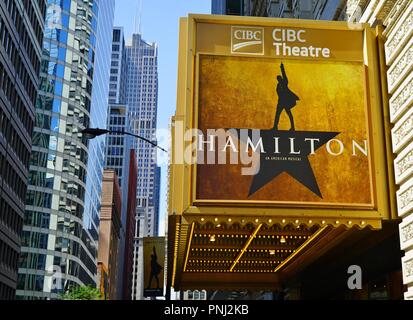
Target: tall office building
(142, 101)
(130, 227)
(62, 205)
(396, 17)
(21, 36)
(118, 146)
(156, 196)
(121, 158)
(302, 9)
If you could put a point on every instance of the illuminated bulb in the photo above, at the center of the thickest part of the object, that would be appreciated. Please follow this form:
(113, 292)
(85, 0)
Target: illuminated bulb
(283, 220)
(363, 222)
(310, 221)
(270, 220)
(212, 239)
(350, 222)
(282, 240)
(256, 220)
(296, 221)
(202, 219)
(218, 225)
(229, 219)
(216, 219)
(323, 222)
(337, 222)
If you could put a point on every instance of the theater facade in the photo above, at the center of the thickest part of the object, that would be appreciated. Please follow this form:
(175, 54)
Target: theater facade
(281, 173)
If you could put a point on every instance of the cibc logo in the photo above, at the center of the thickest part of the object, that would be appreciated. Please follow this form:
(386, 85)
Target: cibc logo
(247, 40)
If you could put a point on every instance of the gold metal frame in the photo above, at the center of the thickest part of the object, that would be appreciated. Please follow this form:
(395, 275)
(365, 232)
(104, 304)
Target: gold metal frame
(182, 197)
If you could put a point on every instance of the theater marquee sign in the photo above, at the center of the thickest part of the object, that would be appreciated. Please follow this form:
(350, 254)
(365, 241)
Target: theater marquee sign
(286, 119)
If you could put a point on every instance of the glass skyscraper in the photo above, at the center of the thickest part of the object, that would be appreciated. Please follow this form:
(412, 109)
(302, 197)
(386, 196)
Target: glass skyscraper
(118, 146)
(142, 101)
(63, 199)
(20, 57)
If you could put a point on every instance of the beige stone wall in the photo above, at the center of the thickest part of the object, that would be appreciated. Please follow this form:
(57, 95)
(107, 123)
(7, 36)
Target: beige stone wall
(397, 17)
(109, 229)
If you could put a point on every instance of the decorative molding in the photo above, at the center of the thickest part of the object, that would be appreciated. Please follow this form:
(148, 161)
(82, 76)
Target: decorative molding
(401, 98)
(405, 198)
(354, 9)
(385, 10)
(351, 7)
(401, 66)
(403, 164)
(408, 295)
(394, 14)
(401, 33)
(402, 132)
(406, 233)
(407, 267)
(369, 11)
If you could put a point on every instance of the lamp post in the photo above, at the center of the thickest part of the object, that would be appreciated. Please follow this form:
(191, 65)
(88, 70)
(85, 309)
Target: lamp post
(91, 133)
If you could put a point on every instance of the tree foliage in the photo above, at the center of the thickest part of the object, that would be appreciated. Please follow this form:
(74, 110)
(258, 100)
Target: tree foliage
(83, 293)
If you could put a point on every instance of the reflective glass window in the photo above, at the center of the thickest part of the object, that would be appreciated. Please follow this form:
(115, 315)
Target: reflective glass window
(56, 105)
(55, 124)
(62, 54)
(65, 20)
(62, 36)
(58, 88)
(66, 5)
(60, 71)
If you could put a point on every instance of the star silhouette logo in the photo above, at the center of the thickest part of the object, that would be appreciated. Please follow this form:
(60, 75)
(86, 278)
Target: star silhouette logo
(288, 151)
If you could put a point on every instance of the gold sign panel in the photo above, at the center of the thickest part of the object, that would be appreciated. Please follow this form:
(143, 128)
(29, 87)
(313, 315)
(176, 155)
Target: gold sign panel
(283, 39)
(240, 92)
(286, 119)
(154, 266)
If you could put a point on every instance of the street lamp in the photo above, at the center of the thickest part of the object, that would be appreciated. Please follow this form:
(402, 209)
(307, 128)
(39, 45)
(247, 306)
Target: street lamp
(91, 133)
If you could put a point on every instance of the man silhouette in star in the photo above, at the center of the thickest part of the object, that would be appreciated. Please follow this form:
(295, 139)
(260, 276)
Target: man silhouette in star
(156, 269)
(286, 99)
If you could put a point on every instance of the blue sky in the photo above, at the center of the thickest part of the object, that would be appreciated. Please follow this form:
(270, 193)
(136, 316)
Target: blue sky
(159, 23)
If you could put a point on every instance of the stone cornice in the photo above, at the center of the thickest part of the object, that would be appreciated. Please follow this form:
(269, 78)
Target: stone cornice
(385, 10)
(354, 9)
(394, 14)
(400, 35)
